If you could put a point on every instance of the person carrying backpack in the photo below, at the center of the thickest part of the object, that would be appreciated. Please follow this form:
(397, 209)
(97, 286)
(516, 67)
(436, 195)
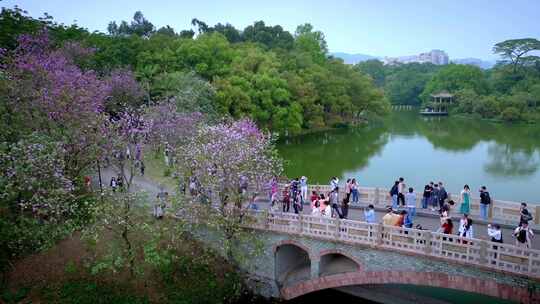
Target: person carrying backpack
(524, 236)
(524, 215)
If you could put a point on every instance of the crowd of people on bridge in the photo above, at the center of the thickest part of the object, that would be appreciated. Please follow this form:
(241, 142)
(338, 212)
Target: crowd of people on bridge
(402, 211)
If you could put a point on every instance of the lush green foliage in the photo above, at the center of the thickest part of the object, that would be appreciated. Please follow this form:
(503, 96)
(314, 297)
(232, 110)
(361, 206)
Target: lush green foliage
(402, 83)
(510, 91)
(500, 93)
(454, 77)
(285, 82)
(68, 111)
(515, 51)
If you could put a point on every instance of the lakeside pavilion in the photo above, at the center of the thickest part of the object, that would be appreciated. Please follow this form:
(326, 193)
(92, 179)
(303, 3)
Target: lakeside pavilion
(439, 104)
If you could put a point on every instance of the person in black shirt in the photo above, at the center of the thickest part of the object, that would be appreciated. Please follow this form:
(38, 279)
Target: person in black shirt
(426, 196)
(485, 200)
(295, 183)
(443, 195)
(394, 195)
(434, 197)
(524, 215)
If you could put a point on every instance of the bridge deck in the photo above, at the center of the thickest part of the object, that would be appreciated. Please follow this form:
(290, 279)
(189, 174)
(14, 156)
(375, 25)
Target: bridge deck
(427, 219)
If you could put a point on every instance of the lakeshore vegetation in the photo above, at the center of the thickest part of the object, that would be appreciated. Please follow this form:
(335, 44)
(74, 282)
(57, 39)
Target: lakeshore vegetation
(510, 91)
(74, 102)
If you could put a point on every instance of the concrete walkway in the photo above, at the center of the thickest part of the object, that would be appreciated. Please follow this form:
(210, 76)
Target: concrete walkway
(139, 183)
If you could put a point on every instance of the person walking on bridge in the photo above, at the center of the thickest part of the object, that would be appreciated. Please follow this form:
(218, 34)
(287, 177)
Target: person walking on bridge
(354, 191)
(465, 227)
(295, 185)
(334, 197)
(388, 218)
(465, 207)
(496, 237)
(401, 191)
(326, 210)
(426, 196)
(524, 214)
(523, 235)
(345, 208)
(369, 214)
(334, 182)
(410, 201)
(495, 233)
(443, 195)
(303, 189)
(434, 197)
(394, 195)
(286, 200)
(485, 200)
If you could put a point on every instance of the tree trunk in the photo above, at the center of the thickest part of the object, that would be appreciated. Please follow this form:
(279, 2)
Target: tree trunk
(125, 237)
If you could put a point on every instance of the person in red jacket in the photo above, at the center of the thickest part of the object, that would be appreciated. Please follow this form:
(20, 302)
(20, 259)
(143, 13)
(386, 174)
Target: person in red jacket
(447, 226)
(286, 201)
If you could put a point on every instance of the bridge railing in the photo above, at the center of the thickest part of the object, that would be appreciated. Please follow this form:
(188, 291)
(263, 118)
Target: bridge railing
(476, 252)
(500, 211)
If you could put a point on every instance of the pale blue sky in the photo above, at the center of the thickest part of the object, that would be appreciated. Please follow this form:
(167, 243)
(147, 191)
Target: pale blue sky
(382, 28)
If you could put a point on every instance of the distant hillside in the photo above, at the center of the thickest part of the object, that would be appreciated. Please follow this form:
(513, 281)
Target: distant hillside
(353, 58)
(483, 64)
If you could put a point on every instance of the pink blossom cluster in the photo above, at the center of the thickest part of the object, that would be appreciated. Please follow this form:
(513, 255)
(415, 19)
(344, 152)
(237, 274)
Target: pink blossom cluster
(34, 175)
(171, 127)
(57, 86)
(224, 155)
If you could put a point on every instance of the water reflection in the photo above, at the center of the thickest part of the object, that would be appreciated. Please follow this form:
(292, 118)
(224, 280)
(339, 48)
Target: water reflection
(505, 161)
(406, 144)
(322, 155)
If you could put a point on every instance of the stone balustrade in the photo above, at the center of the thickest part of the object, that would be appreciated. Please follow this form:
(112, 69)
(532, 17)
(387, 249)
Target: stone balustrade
(479, 253)
(502, 212)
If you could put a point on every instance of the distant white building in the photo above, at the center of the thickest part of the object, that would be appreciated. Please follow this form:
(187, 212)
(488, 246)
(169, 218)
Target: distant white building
(438, 57)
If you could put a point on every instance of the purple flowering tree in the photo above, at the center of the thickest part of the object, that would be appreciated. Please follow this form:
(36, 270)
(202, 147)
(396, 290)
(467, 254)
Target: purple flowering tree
(221, 157)
(127, 135)
(118, 216)
(224, 155)
(125, 92)
(38, 201)
(55, 97)
(33, 178)
(170, 126)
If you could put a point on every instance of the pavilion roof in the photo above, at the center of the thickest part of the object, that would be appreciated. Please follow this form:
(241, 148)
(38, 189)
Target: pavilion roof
(443, 94)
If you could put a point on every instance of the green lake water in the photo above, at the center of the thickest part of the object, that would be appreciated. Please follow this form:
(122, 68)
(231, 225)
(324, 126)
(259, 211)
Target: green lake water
(456, 151)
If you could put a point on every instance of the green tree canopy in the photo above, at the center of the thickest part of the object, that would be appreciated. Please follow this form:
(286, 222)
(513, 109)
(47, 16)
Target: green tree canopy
(374, 68)
(456, 77)
(515, 51)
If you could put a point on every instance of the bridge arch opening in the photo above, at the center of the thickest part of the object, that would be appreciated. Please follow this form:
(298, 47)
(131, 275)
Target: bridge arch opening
(397, 293)
(477, 285)
(335, 263)
(292, 264)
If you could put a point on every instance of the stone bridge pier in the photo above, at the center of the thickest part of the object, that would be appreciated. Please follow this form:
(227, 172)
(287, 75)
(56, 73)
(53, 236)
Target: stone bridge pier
(292, 266)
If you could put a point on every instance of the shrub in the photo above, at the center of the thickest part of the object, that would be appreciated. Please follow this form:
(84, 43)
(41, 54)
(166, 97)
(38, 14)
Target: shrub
(511, 114)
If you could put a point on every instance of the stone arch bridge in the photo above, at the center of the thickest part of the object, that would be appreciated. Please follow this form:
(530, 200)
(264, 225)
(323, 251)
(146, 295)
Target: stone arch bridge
(304, 254)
